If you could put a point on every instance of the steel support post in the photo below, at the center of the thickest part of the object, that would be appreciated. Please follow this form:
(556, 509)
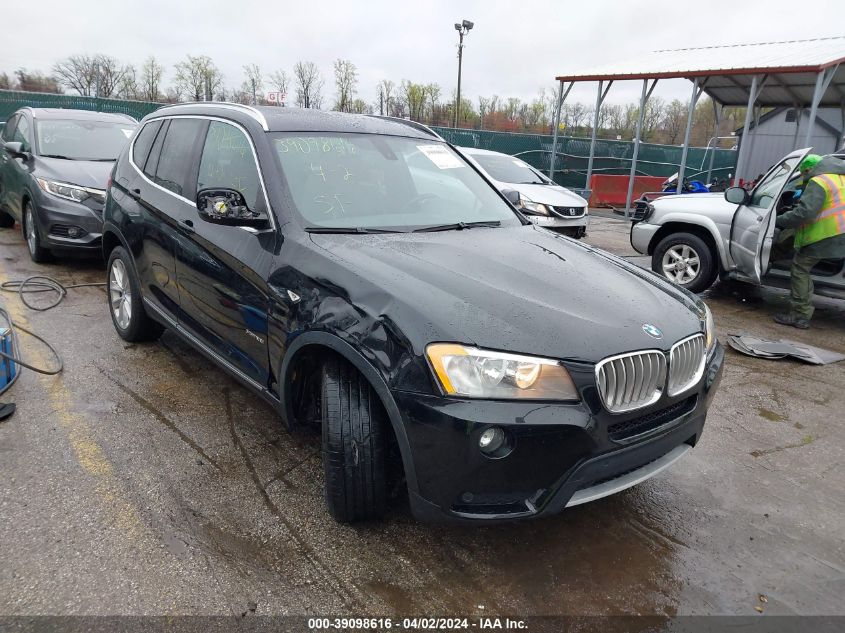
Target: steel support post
(740, 159)
(561, 97)
(646, 93)
(679, 187)
(717, 116)
(599, 99)
(823, 80)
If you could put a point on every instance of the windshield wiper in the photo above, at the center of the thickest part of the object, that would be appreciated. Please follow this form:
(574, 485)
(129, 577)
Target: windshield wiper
(57, 156)
(534, 182)
(457, 226)
(346, 229)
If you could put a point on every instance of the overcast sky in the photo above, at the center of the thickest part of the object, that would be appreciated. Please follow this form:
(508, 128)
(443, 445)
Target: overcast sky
(516, 47)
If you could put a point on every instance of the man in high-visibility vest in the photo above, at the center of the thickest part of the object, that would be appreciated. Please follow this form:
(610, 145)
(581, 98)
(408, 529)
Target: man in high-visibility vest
(819, 223)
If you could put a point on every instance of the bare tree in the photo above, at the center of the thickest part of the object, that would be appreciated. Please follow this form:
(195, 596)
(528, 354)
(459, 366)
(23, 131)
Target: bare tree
(128, 88)
(414, 96)
(483, 108)
(77, 72)
(198, 77)
(30, 81)
(254, 83)
(5, 82)
(432, 93)
(151, 73)
(673, 121)
(386, 90)
(346, 81)
(309, 85)
(279, 80)
(359, 106)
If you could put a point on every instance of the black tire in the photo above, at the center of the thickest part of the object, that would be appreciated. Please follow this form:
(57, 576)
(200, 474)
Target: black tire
(353, 422)
(32, 235)
(137, 326)
(680, 243)
(6, 221)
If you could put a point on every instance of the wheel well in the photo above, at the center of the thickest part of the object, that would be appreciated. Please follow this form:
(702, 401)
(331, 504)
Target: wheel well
(680, 227)
(302, 397)
(24, 200)
(110, 242)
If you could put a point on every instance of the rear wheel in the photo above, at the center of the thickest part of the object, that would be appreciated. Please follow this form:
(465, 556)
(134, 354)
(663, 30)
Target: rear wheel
(125, 306)
(353, 421)
(685, 259)
(37, 252)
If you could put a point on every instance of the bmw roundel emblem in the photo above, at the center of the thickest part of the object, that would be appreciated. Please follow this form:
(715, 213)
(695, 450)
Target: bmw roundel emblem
(652, 330)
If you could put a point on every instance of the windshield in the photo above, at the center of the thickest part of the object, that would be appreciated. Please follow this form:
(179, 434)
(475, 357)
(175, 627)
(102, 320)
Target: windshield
(770, 187)
(370, 181)
(82, 140)
(509, 169)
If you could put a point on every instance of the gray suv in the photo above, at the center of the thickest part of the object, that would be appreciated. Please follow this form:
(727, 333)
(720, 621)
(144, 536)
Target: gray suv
(54, 170)
(695, 238)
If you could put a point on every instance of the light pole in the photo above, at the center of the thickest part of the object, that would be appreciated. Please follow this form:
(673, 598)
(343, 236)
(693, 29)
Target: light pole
(462, 28)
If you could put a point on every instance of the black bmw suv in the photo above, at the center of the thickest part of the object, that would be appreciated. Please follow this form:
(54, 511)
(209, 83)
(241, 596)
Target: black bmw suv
(357, 273)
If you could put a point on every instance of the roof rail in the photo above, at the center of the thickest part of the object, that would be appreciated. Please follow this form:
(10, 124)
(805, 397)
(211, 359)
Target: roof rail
(414, 124)
(255, 113)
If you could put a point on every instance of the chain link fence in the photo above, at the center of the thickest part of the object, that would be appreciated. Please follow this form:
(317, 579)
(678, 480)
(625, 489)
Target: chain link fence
(611, 157)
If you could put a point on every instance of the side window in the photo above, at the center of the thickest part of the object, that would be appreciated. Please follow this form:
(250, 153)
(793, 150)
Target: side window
(22, 133)
(143, 143)
(228, 162)
(174, 164)
(771, 185)
(149, 168)
(9, 128)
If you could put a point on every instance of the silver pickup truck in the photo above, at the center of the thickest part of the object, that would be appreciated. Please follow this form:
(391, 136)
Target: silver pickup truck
(694, 238)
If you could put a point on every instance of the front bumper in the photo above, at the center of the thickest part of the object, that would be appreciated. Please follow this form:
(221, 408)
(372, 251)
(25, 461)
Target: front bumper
(641, 235)
(56, 217)
(563, 454)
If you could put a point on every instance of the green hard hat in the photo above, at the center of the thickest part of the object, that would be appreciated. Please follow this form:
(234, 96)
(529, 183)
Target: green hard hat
(810, 161)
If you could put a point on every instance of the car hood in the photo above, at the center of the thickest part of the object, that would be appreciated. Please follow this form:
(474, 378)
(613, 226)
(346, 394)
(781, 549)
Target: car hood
(546, 194)
(84, 173)
(694, 203)
(519, 289)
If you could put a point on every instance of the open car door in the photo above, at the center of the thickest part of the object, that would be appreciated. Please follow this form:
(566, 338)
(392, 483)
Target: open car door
(753, 227)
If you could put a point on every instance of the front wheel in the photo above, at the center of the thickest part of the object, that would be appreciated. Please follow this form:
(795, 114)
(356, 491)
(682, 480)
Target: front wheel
(37, 252)
(353, 444)
(125, 306)
(685, 259)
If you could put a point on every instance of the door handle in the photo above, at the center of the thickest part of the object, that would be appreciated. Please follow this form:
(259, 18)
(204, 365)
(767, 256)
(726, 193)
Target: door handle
(188, 226)
(135, 194)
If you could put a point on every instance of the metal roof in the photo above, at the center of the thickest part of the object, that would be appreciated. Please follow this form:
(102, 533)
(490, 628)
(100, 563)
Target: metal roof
(791, 68)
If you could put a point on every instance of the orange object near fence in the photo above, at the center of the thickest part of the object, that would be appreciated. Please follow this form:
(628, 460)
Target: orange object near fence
(611, 191)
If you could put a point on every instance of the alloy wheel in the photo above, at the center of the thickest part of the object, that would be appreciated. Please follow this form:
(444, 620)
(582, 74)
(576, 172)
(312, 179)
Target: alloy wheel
(681, 264)
(31, 235)
(120, 294)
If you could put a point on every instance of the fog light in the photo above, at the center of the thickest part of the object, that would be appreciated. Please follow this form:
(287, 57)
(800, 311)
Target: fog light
(74, 232)
(491, 440)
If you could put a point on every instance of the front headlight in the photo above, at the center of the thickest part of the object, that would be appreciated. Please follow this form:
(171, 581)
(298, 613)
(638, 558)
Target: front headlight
(64, 190)
(477, 373)
(529, 206)
(709, 329)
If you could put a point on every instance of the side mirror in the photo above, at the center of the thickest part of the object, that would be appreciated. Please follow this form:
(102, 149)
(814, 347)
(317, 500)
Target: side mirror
(512, 195)
(16, 149)
(227, 206)
(737, 195)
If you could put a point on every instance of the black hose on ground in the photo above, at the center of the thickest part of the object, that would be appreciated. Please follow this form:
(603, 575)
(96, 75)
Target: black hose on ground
(30, 285)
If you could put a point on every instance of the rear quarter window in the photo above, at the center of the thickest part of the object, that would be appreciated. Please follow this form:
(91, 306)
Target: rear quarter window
(143, 143)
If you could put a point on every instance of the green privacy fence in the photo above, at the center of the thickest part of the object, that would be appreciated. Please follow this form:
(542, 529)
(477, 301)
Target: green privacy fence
(11, 100)
(611, 157)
